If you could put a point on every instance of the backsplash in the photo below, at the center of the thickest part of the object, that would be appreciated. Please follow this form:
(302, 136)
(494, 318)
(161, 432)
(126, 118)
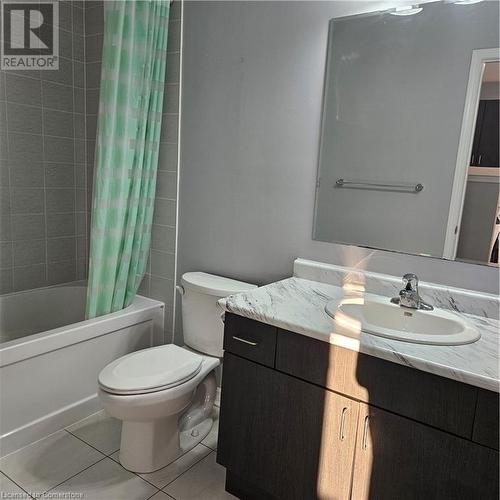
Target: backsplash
(356, 280)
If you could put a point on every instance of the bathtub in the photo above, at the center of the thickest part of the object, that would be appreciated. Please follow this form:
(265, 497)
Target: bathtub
(50, 357)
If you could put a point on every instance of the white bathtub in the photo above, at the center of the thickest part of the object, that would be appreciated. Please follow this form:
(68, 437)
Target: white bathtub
(50, 357)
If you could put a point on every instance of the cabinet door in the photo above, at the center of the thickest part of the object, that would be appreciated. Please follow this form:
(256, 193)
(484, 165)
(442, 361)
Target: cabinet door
(399, 458)
(290, 438)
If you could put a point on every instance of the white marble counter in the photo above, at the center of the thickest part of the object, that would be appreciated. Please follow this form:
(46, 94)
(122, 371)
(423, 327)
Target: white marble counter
(298, 304)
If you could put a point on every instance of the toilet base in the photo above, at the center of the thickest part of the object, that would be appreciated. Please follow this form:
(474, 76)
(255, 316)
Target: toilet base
(149, 446)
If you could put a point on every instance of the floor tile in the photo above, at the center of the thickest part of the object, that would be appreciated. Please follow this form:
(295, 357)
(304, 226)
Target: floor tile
(46, 463)
(162, 477)
(100, 431)
(211, 439)
(106, 480)
(206, 480)
(9, 489)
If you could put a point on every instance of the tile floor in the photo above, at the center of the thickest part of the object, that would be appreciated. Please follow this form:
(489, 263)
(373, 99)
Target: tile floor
(81, 461)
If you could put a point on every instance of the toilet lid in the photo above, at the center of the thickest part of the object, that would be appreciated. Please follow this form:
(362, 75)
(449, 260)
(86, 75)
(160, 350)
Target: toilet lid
(150, 370)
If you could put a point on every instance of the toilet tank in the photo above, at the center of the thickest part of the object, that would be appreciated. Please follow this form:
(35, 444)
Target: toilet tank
(202, 322)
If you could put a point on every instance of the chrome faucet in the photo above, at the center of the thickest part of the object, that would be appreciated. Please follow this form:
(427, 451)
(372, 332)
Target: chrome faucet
(409, 296)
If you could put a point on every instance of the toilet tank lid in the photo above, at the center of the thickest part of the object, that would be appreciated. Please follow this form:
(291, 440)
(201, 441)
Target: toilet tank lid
(214, 285)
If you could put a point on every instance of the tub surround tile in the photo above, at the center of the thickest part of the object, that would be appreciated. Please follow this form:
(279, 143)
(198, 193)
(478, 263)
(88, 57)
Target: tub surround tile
(28, 252)
(27, 200)
(23, 90)
(61, 272)
(24, 119)
(99, 431)
(454, 299)
(107, 480)
(205, 480)
(162, 264)
(55, 96)
(26, 175)
(28, 277)
(171, 472)
(5, 254)
(43, 465)
(6, 280)
(298, 305)
(27, 227)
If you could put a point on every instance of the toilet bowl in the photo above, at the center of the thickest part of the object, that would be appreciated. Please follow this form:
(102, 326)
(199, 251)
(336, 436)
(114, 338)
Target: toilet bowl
(164, 395)
(160, 394)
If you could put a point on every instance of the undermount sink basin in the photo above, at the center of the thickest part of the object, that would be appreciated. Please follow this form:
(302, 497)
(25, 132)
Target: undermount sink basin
(378, 316)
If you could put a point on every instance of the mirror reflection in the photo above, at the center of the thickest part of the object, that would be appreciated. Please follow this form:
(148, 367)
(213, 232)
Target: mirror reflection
(409, 157)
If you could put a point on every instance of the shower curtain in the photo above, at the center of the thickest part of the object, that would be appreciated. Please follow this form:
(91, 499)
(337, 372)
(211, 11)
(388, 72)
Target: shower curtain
(127, 147)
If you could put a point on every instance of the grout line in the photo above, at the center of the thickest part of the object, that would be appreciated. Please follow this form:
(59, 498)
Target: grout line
(85, 442)
(18, 485)
(187, 470)
(18, 103)
(74, 475)
(41, 134)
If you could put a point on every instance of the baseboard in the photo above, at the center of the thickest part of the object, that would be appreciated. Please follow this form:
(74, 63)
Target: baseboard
(48, 424)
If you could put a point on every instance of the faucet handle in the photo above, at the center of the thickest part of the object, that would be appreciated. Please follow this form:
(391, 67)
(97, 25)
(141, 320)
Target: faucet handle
(410, 281)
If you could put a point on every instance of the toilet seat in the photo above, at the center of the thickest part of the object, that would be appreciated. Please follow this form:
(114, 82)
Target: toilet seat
(150, 370)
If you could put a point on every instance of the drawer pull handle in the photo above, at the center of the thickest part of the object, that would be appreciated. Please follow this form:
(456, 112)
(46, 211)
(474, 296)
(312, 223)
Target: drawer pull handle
(253, 344)
(365, 432)
(342, 423)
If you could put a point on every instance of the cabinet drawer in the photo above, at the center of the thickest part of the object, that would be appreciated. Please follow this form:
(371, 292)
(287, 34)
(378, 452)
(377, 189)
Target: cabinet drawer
(437, 401)
(250, 339)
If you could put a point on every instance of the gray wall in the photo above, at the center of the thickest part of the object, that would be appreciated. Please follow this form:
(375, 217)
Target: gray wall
(394, 108)
(252, 91)
(42, 166)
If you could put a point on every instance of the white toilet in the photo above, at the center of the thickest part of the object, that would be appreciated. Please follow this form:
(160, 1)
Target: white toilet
(164, 395)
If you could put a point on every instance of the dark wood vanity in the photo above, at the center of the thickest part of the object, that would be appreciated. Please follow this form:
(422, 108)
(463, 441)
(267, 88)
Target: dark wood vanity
(303, 419)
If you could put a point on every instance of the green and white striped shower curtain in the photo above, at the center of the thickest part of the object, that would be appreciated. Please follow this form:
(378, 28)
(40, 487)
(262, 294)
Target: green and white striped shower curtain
(127, 147)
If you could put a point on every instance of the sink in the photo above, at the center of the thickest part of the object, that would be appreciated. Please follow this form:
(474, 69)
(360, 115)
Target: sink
(378, 316)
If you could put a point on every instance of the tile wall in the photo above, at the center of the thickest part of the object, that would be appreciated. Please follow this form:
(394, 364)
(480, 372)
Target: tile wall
(43, 183)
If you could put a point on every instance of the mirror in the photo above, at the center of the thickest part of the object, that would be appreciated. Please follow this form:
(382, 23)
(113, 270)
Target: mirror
(409, 156)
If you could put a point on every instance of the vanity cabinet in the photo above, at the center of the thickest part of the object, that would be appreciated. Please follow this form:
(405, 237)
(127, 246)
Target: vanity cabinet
(399, 458)
(284, 433)
(298, 422)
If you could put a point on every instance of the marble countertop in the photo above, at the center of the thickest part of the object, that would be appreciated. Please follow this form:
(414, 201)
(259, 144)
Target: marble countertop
(298, 305)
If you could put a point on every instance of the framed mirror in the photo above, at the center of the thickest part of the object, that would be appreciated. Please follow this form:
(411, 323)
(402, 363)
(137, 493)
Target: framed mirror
(409, 153)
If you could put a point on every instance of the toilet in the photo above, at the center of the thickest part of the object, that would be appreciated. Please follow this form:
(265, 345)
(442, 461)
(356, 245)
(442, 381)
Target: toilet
(164, 395)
